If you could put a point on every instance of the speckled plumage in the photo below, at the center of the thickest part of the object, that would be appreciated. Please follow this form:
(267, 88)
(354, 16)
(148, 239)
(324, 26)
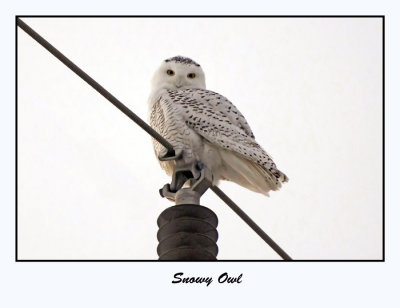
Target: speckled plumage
(208, 127)
(183, 60)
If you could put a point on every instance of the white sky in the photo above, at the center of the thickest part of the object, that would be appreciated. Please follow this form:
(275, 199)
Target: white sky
(310, 89)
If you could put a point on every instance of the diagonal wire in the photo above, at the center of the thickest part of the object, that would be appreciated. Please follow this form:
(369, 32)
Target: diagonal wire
(95, 85)
(37, 37)
(250, 222)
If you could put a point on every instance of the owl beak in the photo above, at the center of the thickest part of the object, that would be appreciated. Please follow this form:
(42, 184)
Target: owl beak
(178, 83)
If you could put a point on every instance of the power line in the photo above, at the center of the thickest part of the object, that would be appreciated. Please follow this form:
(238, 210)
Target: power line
(95, 85)
(250, 222)
(37, 37)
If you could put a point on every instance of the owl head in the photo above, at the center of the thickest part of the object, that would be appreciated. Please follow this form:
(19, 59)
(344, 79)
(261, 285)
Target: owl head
(178, 73)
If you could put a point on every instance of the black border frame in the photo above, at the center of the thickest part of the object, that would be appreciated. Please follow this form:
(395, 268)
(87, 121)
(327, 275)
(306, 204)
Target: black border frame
(382, 17)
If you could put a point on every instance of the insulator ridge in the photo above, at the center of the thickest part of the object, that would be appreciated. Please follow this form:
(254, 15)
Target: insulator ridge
(187, 232)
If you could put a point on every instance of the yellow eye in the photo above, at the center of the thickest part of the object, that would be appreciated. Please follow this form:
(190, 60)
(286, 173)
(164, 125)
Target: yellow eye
(170, 72)
(191, 75)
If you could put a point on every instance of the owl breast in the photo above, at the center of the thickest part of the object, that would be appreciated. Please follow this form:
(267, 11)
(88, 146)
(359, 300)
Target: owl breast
(167, 119)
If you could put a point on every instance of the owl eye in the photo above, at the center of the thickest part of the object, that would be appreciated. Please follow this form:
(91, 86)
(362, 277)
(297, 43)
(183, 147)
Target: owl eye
(191, 75)
(170, 72)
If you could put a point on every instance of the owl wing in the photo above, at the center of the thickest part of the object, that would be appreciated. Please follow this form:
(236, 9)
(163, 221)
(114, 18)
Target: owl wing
(216, 119)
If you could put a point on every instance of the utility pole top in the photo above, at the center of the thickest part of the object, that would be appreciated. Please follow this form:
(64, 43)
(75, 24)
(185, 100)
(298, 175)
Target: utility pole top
(187, 232)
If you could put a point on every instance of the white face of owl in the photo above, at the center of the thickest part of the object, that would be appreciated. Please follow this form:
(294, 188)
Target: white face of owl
(178, 73)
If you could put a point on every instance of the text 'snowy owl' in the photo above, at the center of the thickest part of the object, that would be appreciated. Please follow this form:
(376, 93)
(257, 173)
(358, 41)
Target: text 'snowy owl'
(208, 128)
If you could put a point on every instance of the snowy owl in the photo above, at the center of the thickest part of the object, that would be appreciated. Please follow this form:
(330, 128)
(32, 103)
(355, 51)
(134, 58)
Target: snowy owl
(207, 127)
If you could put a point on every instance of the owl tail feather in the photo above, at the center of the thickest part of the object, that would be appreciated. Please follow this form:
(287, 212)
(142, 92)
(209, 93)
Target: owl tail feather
(248, 174)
